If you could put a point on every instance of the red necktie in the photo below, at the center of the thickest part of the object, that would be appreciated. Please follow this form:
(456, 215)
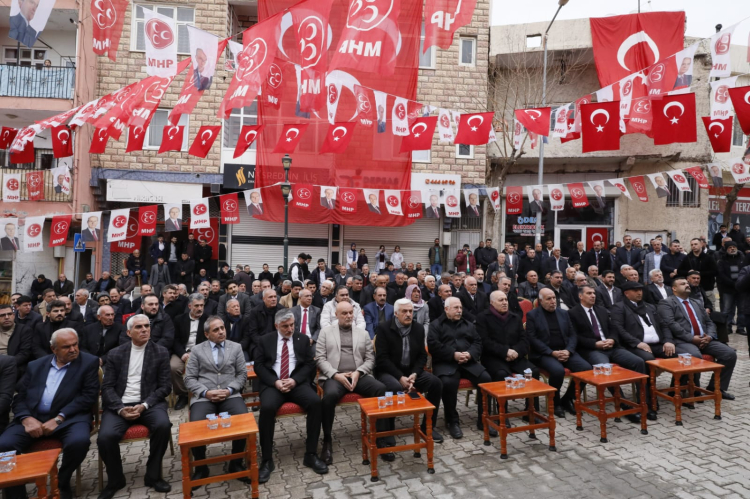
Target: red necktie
(304, 321)
(13, 242)
(693, 320)
(475, 210)
(330, 205)
(284, 360)
(437, 215)
(260, 210)
(94, 233)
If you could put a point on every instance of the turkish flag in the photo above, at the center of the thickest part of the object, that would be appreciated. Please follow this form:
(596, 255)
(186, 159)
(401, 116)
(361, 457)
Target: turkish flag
(474, 129)
(420, 138)
(741, 101)
(639, 186)
(697, 173)
(412, 204)
(626, 44)
(7, 135)
(719, 133)
(594, 234)
(338, 137)
(35, 185)
(365, 109)
(25, 156)
(302, 196)
(62, 143)
(514, 200)
(674, 120)
(107, 17)
(204, 140)
(290, 137)
(600, 127)
(535, 120)
(230, 209)
(572, 134)
(171, 138)
(99, 141)
(248, 134)
(348, 200)
(443, 18)
(578, 195)
(136, 136)
(147, 220)
(58, 233)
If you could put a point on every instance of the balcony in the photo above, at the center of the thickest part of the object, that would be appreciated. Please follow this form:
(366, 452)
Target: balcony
(44, 161)
(46, 82)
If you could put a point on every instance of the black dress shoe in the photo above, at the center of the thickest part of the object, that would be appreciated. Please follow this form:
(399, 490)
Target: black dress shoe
(182, 402)
(568, 406)
(65, 493)
(158, 485)
(312, 461)
(559, 412)
(492, 431)
(110, 490)
(437, 437)
(326, 453)
(651, 415)
(264, 473)
(727, 395)
(634, 418)
(236, 466)
(200, 473)
(388, 457)
(455, 431)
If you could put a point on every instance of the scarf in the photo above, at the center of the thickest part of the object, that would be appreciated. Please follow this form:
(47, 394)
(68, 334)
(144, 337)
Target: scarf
(639, 309)
(404, 332)
(233, 329)
(502, 317)
(409, 290)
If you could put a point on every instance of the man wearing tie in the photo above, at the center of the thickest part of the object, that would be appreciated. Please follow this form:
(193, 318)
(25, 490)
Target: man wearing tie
(378, 311)
(328, 202)
(20, 24)
(256, 204)
(306, 316)
(554, 262)
(372, 204)
(201, 82)
(173, 223)
(433, 211)
(536, 203)
(683, 79)
(10, 241)
(473, 208)
(91, 233)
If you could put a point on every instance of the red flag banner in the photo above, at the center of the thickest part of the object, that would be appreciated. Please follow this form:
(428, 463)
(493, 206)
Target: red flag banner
(474, 129)
(661, 77)
(204, 140)
(348, 200)
(578, 195)
(147, 220)
(420, 138)
(741, 101)
(136, 136)
(627, 44)
(272, 87)
(171, 138)
(639, 186)
(230, 209)
(289, 138)
(6, 136)
(697, 173)
(62, 143)
(25, 156)
(514, 200)
(58, 233)
(365, 109)
(674, 120)
(412, 204)
(534, 120)
(443, 18)
(600, 127)
(719, 133)
(302, 196)
(132, 239)
(107, 17)
(35, 185)
(338, 137)
(248, 134)
(311, 30)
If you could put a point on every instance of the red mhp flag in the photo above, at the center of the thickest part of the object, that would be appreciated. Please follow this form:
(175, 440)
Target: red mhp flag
(272, 87)
(514, 200)
(578, 195)
(697, 173)
(639, 186)
(348, 200)
(741, 101)
(641, 117)
(600, 126)
(147, 220)
(35, 185)
(248, 133)
(58, 233)
(171, 138)
(7, 135)
(474, 129)
(230, 209)
(311, 89)
(204, 140)
(107, 17)
(719, 133)
(534, 120)
(365, 109)
(25, 156)
(443, 18)
(136, 135)
(661, 77)
(190, 95)
(310, 26)
(420, 138)
(290, 137)
(99, 141)
(627, 44)
(62, 143)
(338, 137)
(302, 196)
(412, 204)
(674, 120)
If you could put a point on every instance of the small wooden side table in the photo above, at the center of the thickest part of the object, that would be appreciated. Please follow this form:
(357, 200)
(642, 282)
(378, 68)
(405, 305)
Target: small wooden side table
(255, 396)
(371, 412)
(196, 434)
(35, 467)
(678, 370)
(619, 377)
(501, 393)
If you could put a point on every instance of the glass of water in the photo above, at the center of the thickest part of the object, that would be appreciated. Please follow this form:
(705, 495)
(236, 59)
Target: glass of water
(687, 359)
(509, 382)
(7, 461)
(401, 398)
(213, 421)
(607, 369)
(520, 381)
(389, 398)
(527, 374)
(597, 369)
(381, 403)
(226, 420)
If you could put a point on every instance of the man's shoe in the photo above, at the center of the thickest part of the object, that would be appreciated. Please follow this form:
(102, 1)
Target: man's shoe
(727, 395)
(480, 427)
(741, 332)
(437, 437)
(651, 415)
(66, 492)
(182, 402)
(312, 461)
(110, 490)
(158, 485)
(326, 453)
(569, 406)
(388, 457)
(634, 418)
(236, 466)
(264, 473)
(455, 431)
(559, 412)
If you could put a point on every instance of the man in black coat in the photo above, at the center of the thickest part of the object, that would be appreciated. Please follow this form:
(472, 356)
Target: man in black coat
(598, 256)
(184, 271)
(628, 254)
(99, 338)
(162, 327)
(321, 273)
(436, 305)
(40, 284)
(607, 294)
(564, 299)
(489, 254)
(24, 315)
(7, 388)
(531, 262)
(701, 261)
(261, 320)
(554, 262)
(188, 332)
(456, 348)
(134, 391)
(729, 267)
(671, 261)
(203, 256)
(473, 301)
(19, 343)
(56, 319)
(63, 286)
(381, 282)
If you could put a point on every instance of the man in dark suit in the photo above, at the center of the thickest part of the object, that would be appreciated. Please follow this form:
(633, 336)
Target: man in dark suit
(24, 315)
(287, 378)
(377, 311)
(19, 344)
(99, 338)
(433, 211)
(531, 262)
(599, 257)
(201, 82)
(188, 332)
(554, 262)
(656, 291)
(372, 204)
(628, 254)
(234, 293)
(553, 347)
(63, 286)
(456, 348)
(54, 399)
(210, 307)
(328, 201)
(255, 207)
(134, 391)
(306, 316)
(91, 232)
(261, 321)
(436, 305)
(530, 287)
(56, 320)
(473, 301)
(7, 388)
(565, 299)
(683, 79)
(607, 294)
(321, 274)
(20, 24)
(577, 256)
(671, 262)
(10, 242)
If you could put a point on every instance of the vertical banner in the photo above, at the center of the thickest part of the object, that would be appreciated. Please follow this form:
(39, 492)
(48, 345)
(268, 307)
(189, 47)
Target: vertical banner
(11, 187)
(720, 53)
(739, 171)
(399, 118)
(598, 187)
(556, 197)
(328, 197)
(639, 186)
(348, 200)
(373, 200)
(381, 101)
(680, 181)
(659, 183)
(199, 215)
(254, 202)
(132, 239)
(445, 129)
(431, 204)
(721, 104)
(413, 204)
(32, 234)
(35, 185)
(494, 194)
(59, 230)
(393, 202)
(61, 176)
(107, 18)
(303, 195)
(697, 173)
(230, 209)
(8, 237)
(578, 195)
(452, 204)
(535, 195)
(620, 184)
(160, 34)
(118, 225)
(561, 121)
(513, 200)
(147, 220)
(471, 198)
(91, 226)
(172, 217)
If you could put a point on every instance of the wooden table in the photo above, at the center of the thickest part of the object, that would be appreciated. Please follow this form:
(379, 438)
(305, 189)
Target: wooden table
(619, 377)
(251, 376)
(678, 370)
(196, 434)
(35, 467)
(501, 393)
(371, 413)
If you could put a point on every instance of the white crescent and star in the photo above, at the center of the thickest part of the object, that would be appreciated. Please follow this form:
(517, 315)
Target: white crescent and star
(209, 132)
(719, 124)
(747, 97)
(248, 134)
(481, 120)
(418, 125)
(67, 136)
(529, 111)
(632, 41)
(599, 128)
(674, 120)
(172, 129)
(339, 137)
(296, 133)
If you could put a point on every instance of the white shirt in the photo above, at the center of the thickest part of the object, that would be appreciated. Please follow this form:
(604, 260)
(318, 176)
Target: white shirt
(663, 290)
(322, 277)
(657, 259)
(83, 310)
(588, 316)
(135, 368)
(649, 332)
(193, 334)
(292, 358)
(611, 293)
(296, 276)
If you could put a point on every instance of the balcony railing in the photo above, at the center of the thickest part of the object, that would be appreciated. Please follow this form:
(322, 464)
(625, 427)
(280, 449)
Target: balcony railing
(44, 162)
(47, 82)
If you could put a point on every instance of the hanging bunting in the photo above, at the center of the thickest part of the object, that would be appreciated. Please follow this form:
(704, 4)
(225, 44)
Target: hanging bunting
(620, 184)
(719, 133)
(535, 120)
(494, 194)
(598, 187)
(393, 202)
(420, 138)
(445, 129)
(33, 233)
(556, 197)
(561, 121)
(11, 187)
(99, 141)
(720, 53)
(254, 202)
(348, 200)
(443, 18)
(35, 185)
(204, 139)
(91, 226)
(679, 180)
(171, 138)
(328, 197)
(107, 17)
(62, 141)
(639, 186)
(199, 214)
(372, 196)
(58, 233)
(26, 155)
(413, 204)
(399, 119)
(599, 127)
(272, 88)
(741, 101)
(451, 203)
(7, 135)
(136, 136)
(147, 220)
(61, 176)
(230, 209)
(432, 204)
(160, 34)
(721, 104)
(118, 225)
(535, 196)
(9, 241)
(365, 109)
(697, 173)
(471, 200)
(248, 134)
(303, 195)
(739, 171)
(578, 195)
(381, 100)
(334, 83)
(289, 138)
(474, 129)
(338, 137)
(674, 120)
(659, 183)
(514, 200)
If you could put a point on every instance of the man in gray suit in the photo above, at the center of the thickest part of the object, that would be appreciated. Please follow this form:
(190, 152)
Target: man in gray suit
(233, 293)
(652, 261)
(695, 333)
(20, 24)
(159, 276)
(306, 316)
(216, 374)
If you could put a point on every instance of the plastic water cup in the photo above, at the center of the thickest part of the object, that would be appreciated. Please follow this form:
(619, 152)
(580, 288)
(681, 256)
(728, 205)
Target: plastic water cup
(607, 369)
(688, 359)
(381, 403)
(213, 421)
(509, 382)
(401, 397)
(226, 420)
(7, 461)
(597, 369)
(681, 359)
(520, 381)
(527, 374)
(389, 398)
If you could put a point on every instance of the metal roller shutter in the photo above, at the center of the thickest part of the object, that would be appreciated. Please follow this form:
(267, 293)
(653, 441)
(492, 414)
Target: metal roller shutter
(415, 240)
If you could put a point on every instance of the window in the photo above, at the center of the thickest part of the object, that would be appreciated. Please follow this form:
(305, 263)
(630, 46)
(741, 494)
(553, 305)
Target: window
(464, 151)
(678, 198)
(468, 52)
(533, 41)
(421, 156)
(247, 115)
(183, 16)
(29, 57)
(426, 60)
(156, 128)
(738, 138)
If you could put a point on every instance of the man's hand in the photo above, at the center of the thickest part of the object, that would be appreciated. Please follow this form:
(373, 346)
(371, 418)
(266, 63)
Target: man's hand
(669, 349)
(355, 379)
(511, 355)
(33, 427)
(100, 362)
(129, 413)
(406, 383)
(458, 356)
(601, 345)
(185, 357)
(289, 384)
(49, 427)
(341, 378)
(697, 340)
(673, 273)
(705, 340)
(644, 346)
(217, 395)
(609, 344)
(280, 386)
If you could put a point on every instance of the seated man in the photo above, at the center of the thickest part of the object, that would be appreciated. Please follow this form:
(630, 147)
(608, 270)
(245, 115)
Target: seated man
(7, 387)
(55, 320)
(262, 319)
(162, 327)
(233, 292)
(98, 338)
(638, 326)
(695, 333)
(120, 305)
(306, 316)
(345, 360)
(378, 311)
(134, 391)
(216, 374)
(15, 340)
(286, 374)
(188, 332)
(456, 347)
(24, 315)
(54, 399)
(210, 307)
(553, 347)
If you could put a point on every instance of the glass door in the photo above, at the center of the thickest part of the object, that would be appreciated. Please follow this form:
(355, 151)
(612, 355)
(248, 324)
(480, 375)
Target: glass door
(566, 239)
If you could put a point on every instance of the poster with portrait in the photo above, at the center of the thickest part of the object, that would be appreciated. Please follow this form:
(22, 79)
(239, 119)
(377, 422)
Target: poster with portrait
(9, 235)
(660, 184)
(535, 195)
(373, 200)
(598, 187)
(431, 204)
(254, 201)
(471, 197)
(91, 226)
(204, 48)
(328, 197)
(172, 217)
(28, 19)
(714, 169)
(61, 177)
